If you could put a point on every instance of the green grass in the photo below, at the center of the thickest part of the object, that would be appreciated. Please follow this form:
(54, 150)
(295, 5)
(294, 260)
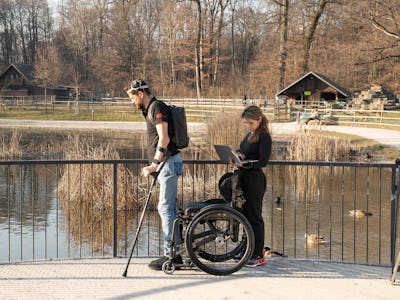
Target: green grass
(99, 114)
(365, 145)
(84, 115)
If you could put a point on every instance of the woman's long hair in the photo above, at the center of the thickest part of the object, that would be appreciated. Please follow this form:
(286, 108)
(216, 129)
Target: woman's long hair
(254, 112)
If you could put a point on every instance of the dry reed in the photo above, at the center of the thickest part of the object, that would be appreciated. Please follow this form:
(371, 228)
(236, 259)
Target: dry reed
(309, 146)
(225, 128)
(96, 181)
(11, 146)
(86, 192)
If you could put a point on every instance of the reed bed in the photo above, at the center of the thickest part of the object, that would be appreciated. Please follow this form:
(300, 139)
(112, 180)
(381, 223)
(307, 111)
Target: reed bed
(11, 146)
(225, 128)
(86, 193)
(309, 146)
(95, 182)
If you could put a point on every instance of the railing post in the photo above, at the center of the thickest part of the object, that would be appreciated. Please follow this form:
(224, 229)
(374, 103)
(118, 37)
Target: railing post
(394, 208)
(115, 197)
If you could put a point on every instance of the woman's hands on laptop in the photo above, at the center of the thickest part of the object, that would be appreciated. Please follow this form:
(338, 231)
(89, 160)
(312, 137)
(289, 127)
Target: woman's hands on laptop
(241, 156)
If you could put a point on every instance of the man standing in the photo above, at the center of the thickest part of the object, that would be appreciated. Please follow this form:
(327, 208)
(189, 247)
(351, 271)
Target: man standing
(160, 147)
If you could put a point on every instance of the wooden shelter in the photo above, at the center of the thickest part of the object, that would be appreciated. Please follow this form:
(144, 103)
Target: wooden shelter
(18, 80)
(313, 89)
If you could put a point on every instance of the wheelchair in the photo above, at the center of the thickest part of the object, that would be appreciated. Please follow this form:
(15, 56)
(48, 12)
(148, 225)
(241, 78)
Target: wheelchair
(215, 235)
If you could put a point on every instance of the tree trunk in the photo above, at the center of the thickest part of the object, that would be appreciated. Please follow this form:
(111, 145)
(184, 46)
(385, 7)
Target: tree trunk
(198, 49)
(222, 6)
(45, 99)
(309, 38)
(171, 54)
(233, 58)
(283, 23)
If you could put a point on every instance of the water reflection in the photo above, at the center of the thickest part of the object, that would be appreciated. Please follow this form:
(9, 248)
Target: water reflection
(317, 200)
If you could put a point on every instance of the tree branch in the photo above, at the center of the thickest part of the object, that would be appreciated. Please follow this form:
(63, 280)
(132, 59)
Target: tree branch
(383, 29)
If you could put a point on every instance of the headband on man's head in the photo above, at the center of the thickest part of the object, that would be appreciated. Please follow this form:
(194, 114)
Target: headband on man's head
(137, 84)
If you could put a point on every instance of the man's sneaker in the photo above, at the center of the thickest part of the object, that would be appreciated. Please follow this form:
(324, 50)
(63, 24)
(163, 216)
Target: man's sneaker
(157, 264)
(255, 262)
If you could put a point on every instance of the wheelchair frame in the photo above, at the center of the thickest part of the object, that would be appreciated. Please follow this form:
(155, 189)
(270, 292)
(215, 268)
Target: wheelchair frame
(217, 237)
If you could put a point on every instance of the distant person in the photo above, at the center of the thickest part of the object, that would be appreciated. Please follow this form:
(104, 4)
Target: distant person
(314, 115)
(160, 147)
(244, 99)
(256, 145)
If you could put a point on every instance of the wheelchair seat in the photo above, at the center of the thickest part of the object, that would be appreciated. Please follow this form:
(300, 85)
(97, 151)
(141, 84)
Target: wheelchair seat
(194, 207)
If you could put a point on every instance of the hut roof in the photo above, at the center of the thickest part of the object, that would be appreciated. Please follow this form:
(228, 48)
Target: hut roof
(321, 77)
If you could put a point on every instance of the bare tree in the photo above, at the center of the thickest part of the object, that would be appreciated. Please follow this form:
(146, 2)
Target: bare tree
(310, 34)
(384, 18)
(222, 6)
(187, 46)
(24, 25)
(33, 25)
(8, 43)
(283, 34)
(198, 48)
(47, 68)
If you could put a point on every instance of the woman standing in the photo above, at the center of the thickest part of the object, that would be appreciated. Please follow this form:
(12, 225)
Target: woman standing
(256, 145)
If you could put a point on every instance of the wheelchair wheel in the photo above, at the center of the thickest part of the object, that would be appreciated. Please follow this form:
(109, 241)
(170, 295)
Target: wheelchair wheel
(219, 240)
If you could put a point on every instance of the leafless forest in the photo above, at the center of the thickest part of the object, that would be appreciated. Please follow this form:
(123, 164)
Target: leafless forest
(203, 47)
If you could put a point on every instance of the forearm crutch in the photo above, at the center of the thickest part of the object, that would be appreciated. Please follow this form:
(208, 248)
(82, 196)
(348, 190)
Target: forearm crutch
(155, 175)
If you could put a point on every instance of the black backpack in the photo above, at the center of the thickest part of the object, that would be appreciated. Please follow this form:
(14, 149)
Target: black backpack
(181, 137)
(179, 125)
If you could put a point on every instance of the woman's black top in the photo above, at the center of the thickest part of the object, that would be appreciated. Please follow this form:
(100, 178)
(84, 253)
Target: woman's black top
(257, 151)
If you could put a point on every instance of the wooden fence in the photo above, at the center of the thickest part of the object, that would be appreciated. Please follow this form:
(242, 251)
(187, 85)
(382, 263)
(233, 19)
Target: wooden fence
(209, 107)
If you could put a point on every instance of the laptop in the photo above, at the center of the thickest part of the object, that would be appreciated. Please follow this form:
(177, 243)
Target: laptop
(225, 152)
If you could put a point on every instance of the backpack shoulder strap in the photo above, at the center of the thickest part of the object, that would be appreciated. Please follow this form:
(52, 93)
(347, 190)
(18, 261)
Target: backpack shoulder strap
(149, 115)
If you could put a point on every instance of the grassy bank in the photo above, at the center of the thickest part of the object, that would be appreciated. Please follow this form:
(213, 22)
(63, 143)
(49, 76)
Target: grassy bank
(365, 147)
(127, 114)
(66, 115)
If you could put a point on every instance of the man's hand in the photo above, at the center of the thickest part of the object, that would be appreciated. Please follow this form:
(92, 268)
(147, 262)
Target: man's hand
(146, 171)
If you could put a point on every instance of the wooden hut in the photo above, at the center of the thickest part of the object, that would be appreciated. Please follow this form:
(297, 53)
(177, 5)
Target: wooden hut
(313, 89)
(17, 80)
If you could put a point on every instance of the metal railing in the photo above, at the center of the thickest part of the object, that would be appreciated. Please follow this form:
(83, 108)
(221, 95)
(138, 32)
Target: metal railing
(90, 208)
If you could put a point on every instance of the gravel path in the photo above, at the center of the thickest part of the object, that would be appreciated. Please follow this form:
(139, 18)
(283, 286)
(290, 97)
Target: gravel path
(383, 136)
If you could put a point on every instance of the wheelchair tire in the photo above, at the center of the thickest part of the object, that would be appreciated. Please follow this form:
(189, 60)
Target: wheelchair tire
(219, 240)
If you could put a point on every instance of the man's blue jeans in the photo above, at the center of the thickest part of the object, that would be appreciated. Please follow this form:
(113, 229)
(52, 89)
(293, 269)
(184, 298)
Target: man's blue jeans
(168, 179)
